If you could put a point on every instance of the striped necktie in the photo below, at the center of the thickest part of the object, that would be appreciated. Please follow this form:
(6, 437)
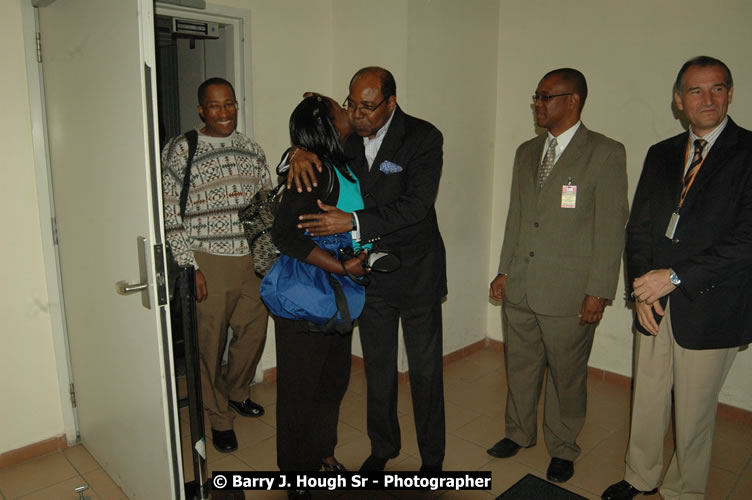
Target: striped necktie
(696, 162)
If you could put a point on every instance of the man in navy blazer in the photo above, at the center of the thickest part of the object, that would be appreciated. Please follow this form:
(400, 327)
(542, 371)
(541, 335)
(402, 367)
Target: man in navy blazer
(397, 159)
(689, 259)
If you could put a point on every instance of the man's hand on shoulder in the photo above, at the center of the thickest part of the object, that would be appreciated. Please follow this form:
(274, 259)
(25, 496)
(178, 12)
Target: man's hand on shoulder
(592, 309)
(498, 287)
(202, 291)
(302, 174)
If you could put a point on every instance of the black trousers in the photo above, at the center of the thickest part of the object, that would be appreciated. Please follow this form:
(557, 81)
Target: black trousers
(422, 330)
(313, 370)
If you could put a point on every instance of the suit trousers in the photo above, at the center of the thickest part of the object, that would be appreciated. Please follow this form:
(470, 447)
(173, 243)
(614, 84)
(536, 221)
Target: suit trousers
(233, 300)
(534, 343)
(697, 377)
(422, 331)
(313, 370)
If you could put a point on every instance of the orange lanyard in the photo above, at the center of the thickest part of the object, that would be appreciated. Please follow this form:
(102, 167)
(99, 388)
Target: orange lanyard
(692, 180)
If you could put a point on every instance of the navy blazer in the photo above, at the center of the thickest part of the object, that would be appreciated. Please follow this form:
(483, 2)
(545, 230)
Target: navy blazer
(399, 193)
(711, 251)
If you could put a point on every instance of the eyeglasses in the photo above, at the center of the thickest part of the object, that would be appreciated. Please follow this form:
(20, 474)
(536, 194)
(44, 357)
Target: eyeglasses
(546, 98)
(365, 109)
(227, 106)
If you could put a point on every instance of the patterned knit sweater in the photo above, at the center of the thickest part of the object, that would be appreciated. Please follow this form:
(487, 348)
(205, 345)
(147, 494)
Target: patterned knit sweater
(226, 173)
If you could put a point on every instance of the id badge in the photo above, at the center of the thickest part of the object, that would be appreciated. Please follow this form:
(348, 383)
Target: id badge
(672, 223)
(568, 196)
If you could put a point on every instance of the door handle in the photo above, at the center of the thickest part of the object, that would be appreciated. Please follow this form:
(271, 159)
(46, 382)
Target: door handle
(124, 288)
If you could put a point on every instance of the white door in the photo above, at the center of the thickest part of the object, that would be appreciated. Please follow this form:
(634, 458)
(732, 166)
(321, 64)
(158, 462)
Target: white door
(97, 60)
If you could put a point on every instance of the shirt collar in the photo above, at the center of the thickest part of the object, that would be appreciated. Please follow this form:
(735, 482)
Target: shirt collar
(563, 139)
(382, 131)
(710, 136)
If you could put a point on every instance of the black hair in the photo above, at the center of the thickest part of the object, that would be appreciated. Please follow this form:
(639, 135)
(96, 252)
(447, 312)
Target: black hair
(388, 85)
(703, 62)
(213, 81)
(573, 77)
(311, 128)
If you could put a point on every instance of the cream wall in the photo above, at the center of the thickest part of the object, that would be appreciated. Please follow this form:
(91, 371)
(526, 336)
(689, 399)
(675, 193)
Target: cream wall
(433, 48)
(469, 67)
(30, 409)
(630, 53)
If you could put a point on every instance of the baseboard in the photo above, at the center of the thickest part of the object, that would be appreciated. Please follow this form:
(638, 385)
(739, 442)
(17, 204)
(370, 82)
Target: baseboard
(13, 457)
(724, 410)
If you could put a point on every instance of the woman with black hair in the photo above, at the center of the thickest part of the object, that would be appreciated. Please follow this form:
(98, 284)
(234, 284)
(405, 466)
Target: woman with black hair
(314, 357)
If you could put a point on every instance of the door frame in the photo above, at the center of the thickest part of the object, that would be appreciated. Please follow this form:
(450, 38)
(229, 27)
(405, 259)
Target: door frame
(227, 15)
(46, 218)
(240, 19)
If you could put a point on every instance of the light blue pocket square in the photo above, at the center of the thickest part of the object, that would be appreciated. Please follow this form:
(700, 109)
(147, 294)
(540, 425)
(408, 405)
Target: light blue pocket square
(389, 168)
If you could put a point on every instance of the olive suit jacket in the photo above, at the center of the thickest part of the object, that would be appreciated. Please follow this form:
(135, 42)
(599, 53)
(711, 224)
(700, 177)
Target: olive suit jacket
(553, 255)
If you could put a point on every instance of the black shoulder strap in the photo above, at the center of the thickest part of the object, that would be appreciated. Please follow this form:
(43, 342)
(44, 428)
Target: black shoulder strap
(192, 137)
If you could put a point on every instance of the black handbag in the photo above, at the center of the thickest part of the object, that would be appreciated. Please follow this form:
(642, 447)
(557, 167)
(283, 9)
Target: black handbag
(257, 219)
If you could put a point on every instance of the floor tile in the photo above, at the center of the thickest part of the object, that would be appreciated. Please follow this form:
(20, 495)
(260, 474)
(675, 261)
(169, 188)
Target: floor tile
(720, 484)
(101, 484)
(80, 458)
(475, 398)
(35, 474)
(65, 490)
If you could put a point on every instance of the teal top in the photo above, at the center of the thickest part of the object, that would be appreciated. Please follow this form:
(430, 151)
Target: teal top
(350, 199)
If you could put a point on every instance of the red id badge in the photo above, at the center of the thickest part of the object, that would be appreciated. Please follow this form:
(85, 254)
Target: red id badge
(568, 196)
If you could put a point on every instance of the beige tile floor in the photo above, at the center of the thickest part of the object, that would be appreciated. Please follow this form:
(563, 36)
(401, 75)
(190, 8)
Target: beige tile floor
(475, 396)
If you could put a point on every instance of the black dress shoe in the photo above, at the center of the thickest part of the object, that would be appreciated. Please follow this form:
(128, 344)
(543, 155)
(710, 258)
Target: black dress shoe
(624, 491)
(430, 468)
(335, 467)
(504, 449)
(373, 464)
(247, 408)
(224, 441)
(560, 470)
(299, 494)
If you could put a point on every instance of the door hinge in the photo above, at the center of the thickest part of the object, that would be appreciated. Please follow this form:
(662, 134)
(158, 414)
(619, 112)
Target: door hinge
(73, 396)
(54, 231)
(39, 47)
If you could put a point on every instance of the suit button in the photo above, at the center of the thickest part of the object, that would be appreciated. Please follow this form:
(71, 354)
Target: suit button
(532, 254)
(535, 224)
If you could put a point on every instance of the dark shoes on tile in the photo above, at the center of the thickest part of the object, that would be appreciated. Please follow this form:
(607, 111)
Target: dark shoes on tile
(373, 464)
(560, 470)
(224, 441)
(504, 449)
(624, 491)
(335, 467)
(247, 408)
(299, 494)
(430, 468)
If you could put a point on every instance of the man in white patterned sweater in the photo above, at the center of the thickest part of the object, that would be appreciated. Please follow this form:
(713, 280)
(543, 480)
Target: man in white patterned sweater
(227, 170)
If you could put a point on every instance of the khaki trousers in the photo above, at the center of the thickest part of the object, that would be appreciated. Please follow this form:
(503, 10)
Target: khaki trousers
(696, 377)
(233, 300)
(535, 343)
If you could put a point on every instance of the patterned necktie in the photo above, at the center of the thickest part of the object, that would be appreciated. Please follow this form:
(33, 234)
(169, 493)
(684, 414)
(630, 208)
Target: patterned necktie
(547, 164)
(696, 162)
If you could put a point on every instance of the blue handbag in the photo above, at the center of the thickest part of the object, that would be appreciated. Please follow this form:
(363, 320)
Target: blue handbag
(294, 289)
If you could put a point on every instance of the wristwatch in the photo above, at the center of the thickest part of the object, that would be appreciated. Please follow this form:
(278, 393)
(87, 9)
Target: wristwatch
(674, 278)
